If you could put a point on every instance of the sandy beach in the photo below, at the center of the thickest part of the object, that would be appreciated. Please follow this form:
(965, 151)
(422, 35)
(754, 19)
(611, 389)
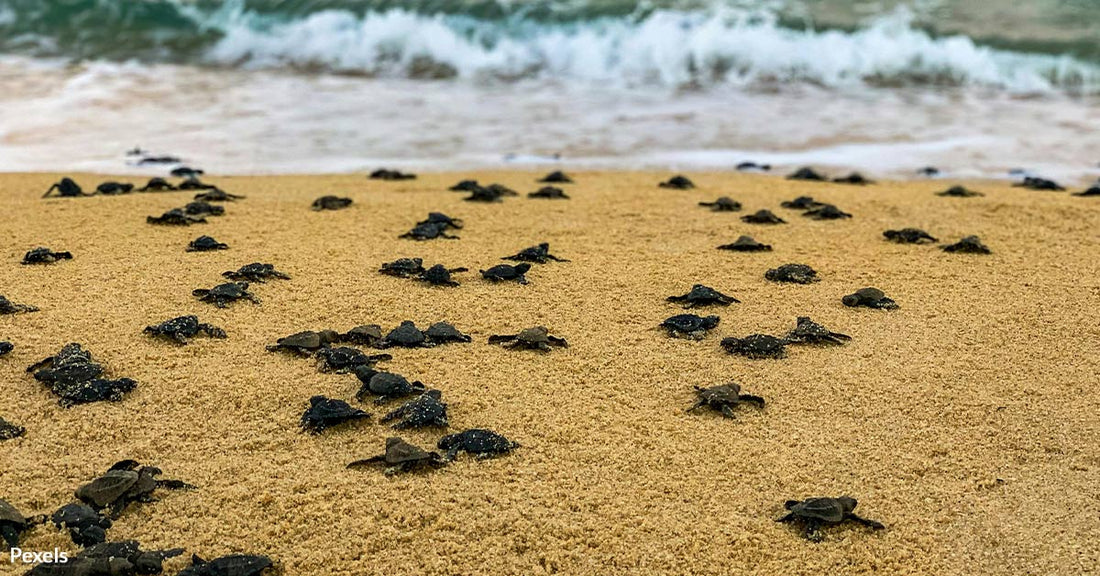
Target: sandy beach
(965, 421)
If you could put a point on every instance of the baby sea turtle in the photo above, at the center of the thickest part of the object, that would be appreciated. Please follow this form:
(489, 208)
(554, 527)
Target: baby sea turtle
(255, 272)
(490, 193)
(507, 272)
(678, 182)
(756, 346)
(66, 188)
(1091, 191)
(826, 212)
(223, 294)
(232, 565)
(205, 244)
(556, 177)
(306, 342)
(192, 182)
(406, 335)
(157, 185)
(9, 431)
(175, 217)
(869, 298)
(1033, 183)
(763, 217)
(809, 332)
(114, 188)
(187, 172)
(45, 256)
(802, 203)
(427, 410)
(968, 245)
(795, 273)
(124, 483)
(700, 295)
(122, 558)
(753, 167)
(723, 398)
(386, 385)
(363, 335)
(806, 173)
(444, 333)
(929, 172)
(384, 174)
(723, 204)
(480, 442)
(537, 254)
(74, 377)
(550, 193)
(959, 192)
(908, 236)
(465, 186)
(534, 338)
(344, 359)
(853, 178)
(324, 413)
(182, 328)
(746, 244)
(403, 267)
(401, 456)
(217, 195)
(330, 203)
(6, 347)
(13, 524)
(203, 208)
(86, 525)
(429, 231)
(440, 275)
(814, 512)
(689, 325)
(443, 220)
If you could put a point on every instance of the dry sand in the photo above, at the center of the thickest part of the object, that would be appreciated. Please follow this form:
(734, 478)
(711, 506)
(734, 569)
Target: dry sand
(966, 421)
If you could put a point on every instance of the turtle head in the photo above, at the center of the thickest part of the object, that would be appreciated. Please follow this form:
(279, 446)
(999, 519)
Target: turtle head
(848, 503)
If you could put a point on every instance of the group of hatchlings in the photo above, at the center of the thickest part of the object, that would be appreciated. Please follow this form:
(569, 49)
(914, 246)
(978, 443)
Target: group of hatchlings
(75, 378)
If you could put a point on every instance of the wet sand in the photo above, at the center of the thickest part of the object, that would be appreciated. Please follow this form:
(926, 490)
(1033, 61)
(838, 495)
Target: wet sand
(966, 420)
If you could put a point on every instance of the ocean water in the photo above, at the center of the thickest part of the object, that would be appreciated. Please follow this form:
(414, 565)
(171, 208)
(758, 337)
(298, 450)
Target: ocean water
(267, 86)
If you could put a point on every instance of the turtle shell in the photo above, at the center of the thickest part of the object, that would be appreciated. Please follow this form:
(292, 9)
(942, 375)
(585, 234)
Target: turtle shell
(824, 509)
(108, 489)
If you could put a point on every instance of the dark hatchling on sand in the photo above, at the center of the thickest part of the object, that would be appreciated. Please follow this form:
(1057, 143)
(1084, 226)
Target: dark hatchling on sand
(762, 217)
(440, 275)
(217, 195)
(968, 245)
(1091, 191)
(465, 186)
(441, 219)
(490, 193)
(678, 182)
(125, 482)
(66, 188)
(86, 525)
(330, 203)
(853, 178)
(6, 347)
(9, 431)
(701, 295)
(826, 212)
(429, 231)
(534, 338)
(345, 359)
(9, 307)
(157, 185)
(802, 203)
(13, 524)
(201, 208)
(232, 565)
(535, 254)
(256, 272)
(809, 332)
(183, 328)
(224, 294)
(205, 244)
(550, 193)
(74, 377)
(175, 217)
(756, 346)
(556, 177)
(792, 273)
(507, 272)
(384, 174)
(689, 326)
(746, 244)
(400, 456)
(324, 413)
(908, 236)
(753, 167)
(45, 256)
(1034, 183)
(479, 442)
(114, 188)
(407, 335)
(386, 385)
(869, 298)
(362, 335)
(403, 267)
(427, 410)
(814, 513)
(122, 558)
(723, 398)
(306, 342)
(723, 204)
(959, 192)
(192, 182)
(187, 172)
(808, 174)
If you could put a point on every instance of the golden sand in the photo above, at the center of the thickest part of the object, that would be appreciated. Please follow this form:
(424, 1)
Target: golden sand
(966, 421)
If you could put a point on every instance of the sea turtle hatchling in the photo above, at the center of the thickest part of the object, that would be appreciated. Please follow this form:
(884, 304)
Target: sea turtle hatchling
(869, 298)
(86, 525)
(217, 195)
(429, 231)
(535, 254)
(66, 188)
(192, 182)
(386, 385)
(815, 512)
(480, 442)
(363, 335)
(746, 244)
(723, 204)
(689, 326)
(826, 212)
(1090, 191)
(330, 203)
(324, 413)
(490, 193)
(255, 272)
(223, 294)
(756, 346)
(507, 272)
(556, 177)
(442, 219)
(9, 431)
(74, 377)
(424, 411)
(176, 217)
(182, 328)
(549, 193)
(400, 456)
(405, 335)
(959, 192)
(403, 267)
(465, 186)
(908, 236)
(1034, 183)
(205, 244)
(806, 173)
(445, 333)
(305, 342)
(440, 275)
(762, 217)
(114, 188)
(534, 338)
(121, 558)
(157, 185)
(45, 256)
(701, 295)
(968, 245)
(809, 332)
(232, 565)
(393, 175)
(802, 203)
(187, 172)
(6, 347)
(753, 167)
(344, 359)
(793, 273)
(678, 182)
(13, 524)
(723, 398)
(203, 208)
(853, 178)
(124, 483)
